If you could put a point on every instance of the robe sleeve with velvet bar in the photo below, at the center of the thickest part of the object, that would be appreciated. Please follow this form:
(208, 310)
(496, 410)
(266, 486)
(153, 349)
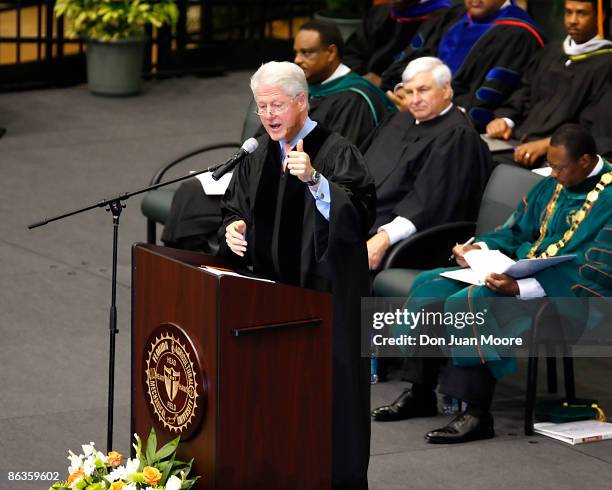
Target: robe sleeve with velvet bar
(424, 43)
(556, 89)
(429, 173)
(487, 59)
(290, 241)
(379, 39)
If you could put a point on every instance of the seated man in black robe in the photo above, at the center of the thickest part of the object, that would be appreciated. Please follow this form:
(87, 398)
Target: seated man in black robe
(560, 82)
(385, 31)
(298, 210)
(487, 45)
(430, 166)
(339, 98)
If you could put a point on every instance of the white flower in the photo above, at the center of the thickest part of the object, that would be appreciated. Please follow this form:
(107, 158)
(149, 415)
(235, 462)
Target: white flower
(137, 443)
(75, 462)
(130, 486)
(124, 472)
(89, 449)
(132, 465)
(89, 465)
(174, 483)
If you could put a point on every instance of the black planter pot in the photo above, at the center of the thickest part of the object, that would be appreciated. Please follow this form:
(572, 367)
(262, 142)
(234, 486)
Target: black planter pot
(115, 67)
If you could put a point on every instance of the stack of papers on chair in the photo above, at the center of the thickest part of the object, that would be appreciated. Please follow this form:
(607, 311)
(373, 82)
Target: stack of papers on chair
(576, 432)
(484, 262)
(213, 187)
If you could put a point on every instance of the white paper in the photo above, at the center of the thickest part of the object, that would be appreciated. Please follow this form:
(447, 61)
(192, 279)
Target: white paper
(576, 432)
(223, 272)
(214, 187)
(483, 262)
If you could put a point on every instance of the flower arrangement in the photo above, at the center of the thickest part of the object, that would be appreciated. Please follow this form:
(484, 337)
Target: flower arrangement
(155, 469)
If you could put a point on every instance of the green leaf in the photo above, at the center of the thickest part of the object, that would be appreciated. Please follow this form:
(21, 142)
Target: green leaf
(168, 449)
(151, 447)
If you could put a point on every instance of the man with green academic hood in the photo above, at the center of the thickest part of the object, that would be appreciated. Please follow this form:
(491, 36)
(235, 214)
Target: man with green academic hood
(568, 213)
(339, 98)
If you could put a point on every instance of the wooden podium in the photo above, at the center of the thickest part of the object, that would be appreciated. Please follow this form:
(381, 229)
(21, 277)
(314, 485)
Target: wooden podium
(239, 368)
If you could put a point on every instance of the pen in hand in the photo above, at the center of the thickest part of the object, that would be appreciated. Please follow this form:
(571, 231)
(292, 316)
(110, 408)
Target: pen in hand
(469, 242)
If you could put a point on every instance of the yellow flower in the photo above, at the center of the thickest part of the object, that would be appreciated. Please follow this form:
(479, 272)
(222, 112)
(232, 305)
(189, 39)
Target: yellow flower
(117, 485)
(151, 475)
(75, 476)
(114, 458)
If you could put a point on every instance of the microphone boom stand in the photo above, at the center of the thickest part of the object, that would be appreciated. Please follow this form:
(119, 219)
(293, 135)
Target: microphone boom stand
(115, 205)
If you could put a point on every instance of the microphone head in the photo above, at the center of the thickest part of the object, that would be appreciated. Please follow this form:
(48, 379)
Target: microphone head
(250, 145)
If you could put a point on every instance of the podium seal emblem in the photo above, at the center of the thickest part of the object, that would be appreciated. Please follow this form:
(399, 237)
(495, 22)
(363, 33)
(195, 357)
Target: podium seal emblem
(174, 381)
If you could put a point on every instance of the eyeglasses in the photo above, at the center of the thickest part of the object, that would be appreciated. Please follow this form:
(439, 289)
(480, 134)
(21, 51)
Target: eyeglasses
(274, 108)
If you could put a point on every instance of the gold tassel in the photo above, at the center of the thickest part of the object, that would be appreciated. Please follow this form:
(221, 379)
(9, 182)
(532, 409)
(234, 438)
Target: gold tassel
(601, 416)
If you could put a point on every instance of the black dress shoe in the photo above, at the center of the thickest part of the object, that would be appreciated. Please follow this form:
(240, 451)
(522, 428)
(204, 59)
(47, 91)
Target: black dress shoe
(407, 406)
(463, 428)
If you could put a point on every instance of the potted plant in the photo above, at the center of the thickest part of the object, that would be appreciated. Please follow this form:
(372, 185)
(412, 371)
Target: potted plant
(346, 14)
(115, 35)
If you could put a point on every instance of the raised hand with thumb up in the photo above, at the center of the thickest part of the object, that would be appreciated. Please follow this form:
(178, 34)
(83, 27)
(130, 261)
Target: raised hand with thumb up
(298, 163)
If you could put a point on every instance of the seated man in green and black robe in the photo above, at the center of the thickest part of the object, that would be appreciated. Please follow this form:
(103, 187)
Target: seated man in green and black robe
(569, 212)
(338, 98)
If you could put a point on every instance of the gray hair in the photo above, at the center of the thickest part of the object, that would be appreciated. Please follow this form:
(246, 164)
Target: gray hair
(287, 76)
(441, 72)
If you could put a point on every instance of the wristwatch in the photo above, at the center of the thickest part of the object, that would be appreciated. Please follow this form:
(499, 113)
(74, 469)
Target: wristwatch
(315, 179)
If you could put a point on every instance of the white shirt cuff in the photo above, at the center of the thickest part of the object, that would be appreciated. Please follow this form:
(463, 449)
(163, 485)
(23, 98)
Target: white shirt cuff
(322, 196)
(398, 229)
(482, 245)
(530, 288)
(509, 122)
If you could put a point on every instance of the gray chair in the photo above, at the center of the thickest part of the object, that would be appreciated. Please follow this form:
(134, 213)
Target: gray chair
(430, 248)
(156, 204)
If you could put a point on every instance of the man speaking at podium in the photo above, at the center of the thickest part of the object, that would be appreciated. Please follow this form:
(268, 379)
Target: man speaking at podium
(298, 210)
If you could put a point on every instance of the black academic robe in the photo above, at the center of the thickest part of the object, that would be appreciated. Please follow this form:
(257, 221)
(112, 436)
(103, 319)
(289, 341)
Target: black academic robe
(554, 92)
(348, 113)
(597, 117)
(490, 72)
(430, 173)
(194, 219)
(290, 241)
(378, 40)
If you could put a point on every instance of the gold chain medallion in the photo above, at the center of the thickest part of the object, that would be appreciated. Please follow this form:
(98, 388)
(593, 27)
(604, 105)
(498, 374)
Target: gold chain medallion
(577, 218)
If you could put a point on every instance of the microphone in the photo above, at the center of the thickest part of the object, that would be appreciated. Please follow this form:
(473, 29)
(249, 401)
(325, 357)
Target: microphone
(249, 146)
